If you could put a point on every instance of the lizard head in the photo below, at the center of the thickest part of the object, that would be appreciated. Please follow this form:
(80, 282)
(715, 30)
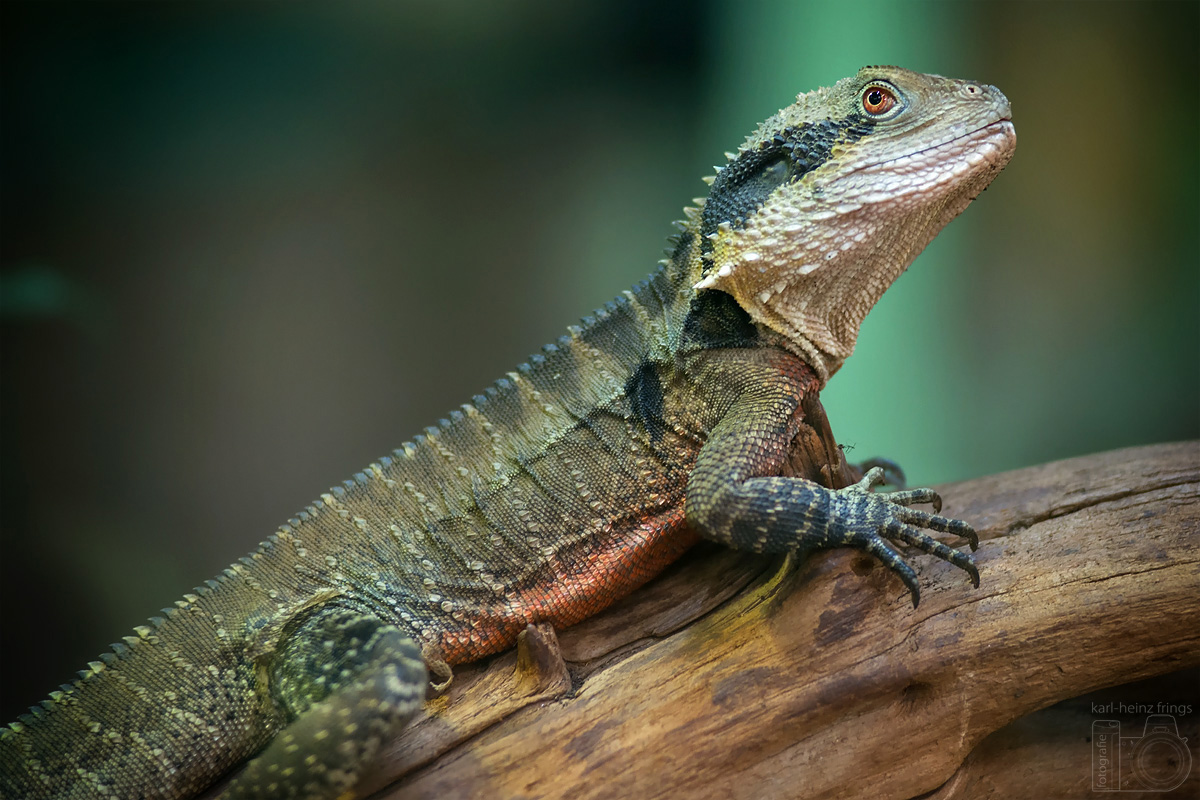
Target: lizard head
(823, 207)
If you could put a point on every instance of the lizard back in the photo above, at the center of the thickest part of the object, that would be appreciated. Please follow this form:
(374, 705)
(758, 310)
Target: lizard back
(546, 498)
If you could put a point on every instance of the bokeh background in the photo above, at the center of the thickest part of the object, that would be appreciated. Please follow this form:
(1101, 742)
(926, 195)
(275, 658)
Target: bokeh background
(247, 248)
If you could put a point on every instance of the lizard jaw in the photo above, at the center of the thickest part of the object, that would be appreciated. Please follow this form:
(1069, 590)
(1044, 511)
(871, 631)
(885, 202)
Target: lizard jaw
(816, 284)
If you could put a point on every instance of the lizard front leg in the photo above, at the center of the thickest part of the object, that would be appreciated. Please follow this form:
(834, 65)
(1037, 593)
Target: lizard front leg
(345, 682)
(735, 496)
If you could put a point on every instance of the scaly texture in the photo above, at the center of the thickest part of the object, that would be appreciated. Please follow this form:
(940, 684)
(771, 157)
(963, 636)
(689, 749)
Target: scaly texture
(684, 408)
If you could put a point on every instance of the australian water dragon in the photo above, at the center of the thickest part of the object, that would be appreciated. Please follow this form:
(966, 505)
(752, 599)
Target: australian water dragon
(686, 408)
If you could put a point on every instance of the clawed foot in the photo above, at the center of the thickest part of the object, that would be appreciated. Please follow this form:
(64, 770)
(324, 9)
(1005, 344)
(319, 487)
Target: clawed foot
(880, 518)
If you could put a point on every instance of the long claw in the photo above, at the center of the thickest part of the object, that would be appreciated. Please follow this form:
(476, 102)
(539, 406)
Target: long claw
(893, 474)
(910, 497)
(878, 547)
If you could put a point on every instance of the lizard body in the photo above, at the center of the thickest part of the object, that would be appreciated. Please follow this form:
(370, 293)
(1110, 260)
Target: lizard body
(688, 407)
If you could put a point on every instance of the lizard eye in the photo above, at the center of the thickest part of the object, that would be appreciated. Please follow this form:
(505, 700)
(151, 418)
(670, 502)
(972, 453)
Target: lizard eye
(878, 100)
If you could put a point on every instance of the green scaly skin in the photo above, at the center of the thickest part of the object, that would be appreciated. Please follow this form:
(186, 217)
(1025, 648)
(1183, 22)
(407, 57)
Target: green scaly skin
(686, 408)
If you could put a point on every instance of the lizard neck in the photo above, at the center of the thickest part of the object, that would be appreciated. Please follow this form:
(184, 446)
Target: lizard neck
(824, 290)
(832, 287)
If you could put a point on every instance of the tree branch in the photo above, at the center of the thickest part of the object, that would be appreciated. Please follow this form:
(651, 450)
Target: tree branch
(730, 677)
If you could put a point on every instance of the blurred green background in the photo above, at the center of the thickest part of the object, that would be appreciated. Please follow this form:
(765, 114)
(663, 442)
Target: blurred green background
(248, 248)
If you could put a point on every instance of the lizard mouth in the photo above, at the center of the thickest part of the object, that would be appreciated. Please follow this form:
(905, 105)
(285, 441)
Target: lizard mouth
(957, 160)
(1002, 126)
(993, 139)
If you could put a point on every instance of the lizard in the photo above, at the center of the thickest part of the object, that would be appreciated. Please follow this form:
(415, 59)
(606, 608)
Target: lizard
(687, 408)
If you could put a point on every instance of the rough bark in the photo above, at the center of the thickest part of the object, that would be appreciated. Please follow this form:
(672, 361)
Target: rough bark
(733, 676)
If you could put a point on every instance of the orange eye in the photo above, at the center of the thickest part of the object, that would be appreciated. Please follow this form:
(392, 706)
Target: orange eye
(877, 100)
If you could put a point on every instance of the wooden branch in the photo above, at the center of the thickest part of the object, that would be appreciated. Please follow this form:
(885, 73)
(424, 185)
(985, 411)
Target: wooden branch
(731, 677)
(1053, 753)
